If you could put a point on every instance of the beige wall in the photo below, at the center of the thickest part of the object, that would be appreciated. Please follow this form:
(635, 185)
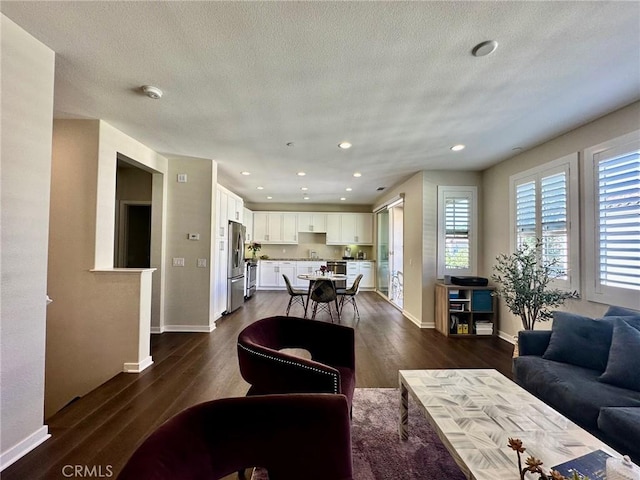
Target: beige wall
(27, 73)
(190, 207)
(495, 204)
(96, 323)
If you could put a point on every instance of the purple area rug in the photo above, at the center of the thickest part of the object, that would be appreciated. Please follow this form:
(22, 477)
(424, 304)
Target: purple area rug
(378, 452)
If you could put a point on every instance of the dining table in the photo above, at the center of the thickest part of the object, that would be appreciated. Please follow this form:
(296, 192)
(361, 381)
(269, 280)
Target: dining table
(317, 277)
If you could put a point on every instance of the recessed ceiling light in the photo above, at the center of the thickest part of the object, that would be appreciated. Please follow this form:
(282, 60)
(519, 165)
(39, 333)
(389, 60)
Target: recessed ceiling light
(301, 174)
(305, 198)
(344, 145)
(304, 189)
(260, 188)
(357, 174)
(484, 48)
(269, 198)
(245, 173)
(348, 189)
(517, 149)
(152, 92)
(457, 148)
(342, 198)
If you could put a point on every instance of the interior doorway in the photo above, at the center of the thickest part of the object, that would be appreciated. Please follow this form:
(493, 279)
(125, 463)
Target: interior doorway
(135, 233)
(390, 254)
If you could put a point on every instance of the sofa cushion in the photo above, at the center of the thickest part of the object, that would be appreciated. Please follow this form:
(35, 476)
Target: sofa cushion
(579, 340)
(614, 311)
(624, 357)
(574, 391)
(622, 426)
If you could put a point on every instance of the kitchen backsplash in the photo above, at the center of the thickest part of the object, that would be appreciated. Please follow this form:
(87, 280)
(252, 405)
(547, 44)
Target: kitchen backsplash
(308, 243)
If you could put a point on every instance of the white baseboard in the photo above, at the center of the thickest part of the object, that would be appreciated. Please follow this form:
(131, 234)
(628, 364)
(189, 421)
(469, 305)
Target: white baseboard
(507, 337)
(184, 328)
(190, 328)
(18, 451)
(417, 321)
(138, 367)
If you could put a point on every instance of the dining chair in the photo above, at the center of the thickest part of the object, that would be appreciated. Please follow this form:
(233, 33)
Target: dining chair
(295, 295)
(349, 295)
(323, 294)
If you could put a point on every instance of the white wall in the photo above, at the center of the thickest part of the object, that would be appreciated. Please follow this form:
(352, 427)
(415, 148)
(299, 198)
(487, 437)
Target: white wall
(25, 165)
(495, 187)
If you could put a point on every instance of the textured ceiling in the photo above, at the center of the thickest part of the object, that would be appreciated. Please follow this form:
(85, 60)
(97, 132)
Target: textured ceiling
(396, 79)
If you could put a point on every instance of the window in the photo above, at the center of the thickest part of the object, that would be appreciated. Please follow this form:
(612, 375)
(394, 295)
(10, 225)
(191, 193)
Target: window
(612, 217)
(545, 207)
(456, 230)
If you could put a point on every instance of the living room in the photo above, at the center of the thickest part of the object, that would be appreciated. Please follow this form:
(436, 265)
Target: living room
(25, 252)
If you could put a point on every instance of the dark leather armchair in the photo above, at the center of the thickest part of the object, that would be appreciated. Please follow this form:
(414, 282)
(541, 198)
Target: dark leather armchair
(288, 435)
(270, 371)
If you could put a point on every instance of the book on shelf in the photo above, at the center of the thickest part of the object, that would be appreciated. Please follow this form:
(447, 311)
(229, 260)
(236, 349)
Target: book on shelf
(592, 465)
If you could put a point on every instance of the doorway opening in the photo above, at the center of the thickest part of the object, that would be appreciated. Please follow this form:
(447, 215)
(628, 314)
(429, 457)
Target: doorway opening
(390, 244)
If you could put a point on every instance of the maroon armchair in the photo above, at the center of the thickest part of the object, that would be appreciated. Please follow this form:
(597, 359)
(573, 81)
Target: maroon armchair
(270, 371)
(288, 435)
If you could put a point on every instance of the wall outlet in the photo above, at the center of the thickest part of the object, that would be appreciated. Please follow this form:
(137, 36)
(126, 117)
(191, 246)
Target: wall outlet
(284, 250)
(193, 236)
(202, 263)
(178, 262)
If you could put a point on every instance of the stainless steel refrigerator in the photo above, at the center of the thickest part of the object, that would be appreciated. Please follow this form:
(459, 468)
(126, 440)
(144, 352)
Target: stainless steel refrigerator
(235, 267)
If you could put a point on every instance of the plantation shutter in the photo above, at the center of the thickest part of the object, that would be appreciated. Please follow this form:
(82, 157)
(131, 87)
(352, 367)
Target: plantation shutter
(526, 213)
(553, 220)
(457, 224)
(619, 221)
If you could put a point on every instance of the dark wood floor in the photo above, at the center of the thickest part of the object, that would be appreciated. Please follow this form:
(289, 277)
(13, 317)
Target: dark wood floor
(103, 428)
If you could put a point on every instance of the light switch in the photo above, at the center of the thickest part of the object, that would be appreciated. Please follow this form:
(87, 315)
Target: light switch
(182, 178)
(202, 263)
(178, 262)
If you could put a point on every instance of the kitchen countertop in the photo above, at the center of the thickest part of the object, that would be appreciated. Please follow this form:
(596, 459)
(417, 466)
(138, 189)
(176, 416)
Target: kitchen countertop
(314, 260)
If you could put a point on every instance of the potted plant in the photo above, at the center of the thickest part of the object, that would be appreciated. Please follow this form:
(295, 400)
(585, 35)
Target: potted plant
(523, 282)
(254, 247)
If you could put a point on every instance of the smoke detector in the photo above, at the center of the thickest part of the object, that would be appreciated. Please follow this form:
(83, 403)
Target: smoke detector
(152, 92)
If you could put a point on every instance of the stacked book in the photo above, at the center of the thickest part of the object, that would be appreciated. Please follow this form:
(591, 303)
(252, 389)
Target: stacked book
(484, 328)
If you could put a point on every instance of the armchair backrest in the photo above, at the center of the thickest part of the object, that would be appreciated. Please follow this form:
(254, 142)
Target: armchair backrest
(286, 434)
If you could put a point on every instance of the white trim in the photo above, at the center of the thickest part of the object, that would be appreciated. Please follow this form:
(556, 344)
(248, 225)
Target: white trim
(392, 202)
(189, 328)
(419, 323)
(594, 291)
(19, 450)
(464, 191)
(138, 367)
(568, 164)
(157, 330)
(507, 337)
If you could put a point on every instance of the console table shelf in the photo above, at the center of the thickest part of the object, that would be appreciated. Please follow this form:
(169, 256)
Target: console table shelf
(466, 312)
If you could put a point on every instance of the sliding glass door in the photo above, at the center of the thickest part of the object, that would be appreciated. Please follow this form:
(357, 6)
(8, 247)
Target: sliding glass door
(390, 254)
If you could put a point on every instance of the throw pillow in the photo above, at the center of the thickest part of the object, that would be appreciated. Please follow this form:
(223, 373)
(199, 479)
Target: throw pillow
(624, 358)
(614, 311)
(579, 341)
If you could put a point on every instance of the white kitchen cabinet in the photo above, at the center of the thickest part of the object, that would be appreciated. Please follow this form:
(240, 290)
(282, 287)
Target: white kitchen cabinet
(367, 269)
(247, 221)
(349, 229)
(229, 206)
(275, 227)
(309, 222)
(270, 273)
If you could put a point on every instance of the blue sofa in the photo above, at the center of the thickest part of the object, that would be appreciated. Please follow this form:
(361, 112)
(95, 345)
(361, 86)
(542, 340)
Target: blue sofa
(589, 370)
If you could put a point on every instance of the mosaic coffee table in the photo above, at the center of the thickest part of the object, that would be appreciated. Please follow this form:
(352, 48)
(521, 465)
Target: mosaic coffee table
(474, 412)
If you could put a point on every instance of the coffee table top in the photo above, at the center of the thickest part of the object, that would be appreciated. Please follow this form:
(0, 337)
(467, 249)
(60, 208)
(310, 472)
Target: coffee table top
(475, 412)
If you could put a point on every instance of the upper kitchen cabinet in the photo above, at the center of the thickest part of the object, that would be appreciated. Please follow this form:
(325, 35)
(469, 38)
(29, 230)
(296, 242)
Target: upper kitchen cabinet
(349, 229)
(247, 221)
(275, 227)
(229, 207)
(309, 222)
